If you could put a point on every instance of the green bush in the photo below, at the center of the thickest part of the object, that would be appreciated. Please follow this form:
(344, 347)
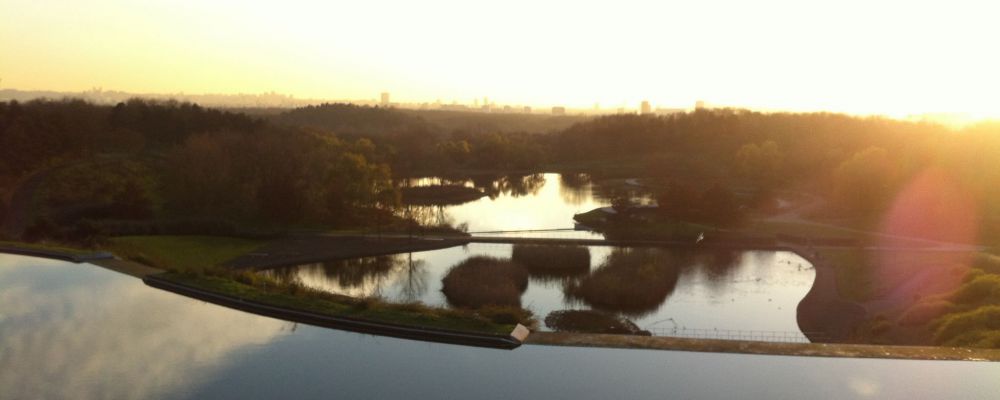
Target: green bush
(970, 328)
(982, 289)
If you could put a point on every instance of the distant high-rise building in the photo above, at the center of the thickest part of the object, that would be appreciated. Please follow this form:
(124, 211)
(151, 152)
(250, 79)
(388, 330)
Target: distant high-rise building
(558, 110)
(646, 109)
(527, 110)
(699, 105)
(385, 99)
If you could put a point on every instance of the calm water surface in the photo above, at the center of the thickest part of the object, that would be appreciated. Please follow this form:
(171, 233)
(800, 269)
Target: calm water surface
(518, 202)
(77, 331)
(729, 290)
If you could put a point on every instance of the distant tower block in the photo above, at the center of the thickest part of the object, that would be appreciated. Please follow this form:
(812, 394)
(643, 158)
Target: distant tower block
(385, 99)
(699, 105)
(558, 110)
(646, 109)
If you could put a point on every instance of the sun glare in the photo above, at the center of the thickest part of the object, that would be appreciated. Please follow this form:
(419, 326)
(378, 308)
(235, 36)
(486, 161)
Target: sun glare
(893, 58)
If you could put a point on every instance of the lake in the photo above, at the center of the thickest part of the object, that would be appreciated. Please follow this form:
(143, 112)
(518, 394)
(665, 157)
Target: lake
(78, 331)
(518, 203)
(716, 291)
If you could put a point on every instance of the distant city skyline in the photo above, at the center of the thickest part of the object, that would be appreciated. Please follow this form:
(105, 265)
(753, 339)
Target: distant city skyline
(279, 100)
(891, 57)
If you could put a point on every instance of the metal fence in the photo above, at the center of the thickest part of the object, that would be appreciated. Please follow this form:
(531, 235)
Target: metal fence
(567, 233)
(734, 334)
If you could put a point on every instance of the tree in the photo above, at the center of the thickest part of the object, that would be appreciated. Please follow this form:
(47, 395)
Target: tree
(864, 182)
(678, 201)
(760, 162)
(718, 206)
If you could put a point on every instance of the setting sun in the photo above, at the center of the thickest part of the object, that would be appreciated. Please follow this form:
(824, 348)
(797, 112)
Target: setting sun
(895, 58)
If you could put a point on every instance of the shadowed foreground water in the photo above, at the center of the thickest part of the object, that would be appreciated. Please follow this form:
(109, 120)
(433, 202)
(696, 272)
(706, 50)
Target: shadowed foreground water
(79, 331)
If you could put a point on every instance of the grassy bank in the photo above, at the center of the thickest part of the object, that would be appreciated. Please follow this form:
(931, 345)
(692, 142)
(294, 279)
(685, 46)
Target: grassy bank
(195, 261)
(47, 246)
(294, 295)
(182, 253)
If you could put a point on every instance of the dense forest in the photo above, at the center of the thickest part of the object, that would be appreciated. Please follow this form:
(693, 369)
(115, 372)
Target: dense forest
(180, 162)
(333, 164)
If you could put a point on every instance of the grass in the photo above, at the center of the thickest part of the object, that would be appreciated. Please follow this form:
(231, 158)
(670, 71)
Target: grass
(51, 246)
(294, 295)
(854, 272)
(485, 281)
(802, 229)
(180, 253)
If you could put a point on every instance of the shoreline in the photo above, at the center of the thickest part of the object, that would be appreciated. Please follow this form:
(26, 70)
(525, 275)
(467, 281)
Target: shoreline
(368, 326)
(810, 311)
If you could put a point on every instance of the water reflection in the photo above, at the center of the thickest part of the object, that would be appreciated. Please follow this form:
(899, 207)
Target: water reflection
(514, 203)
(552, 263)
(575, 189)
(727, 289)
(405, 277)
(79, 331)
(509, 185)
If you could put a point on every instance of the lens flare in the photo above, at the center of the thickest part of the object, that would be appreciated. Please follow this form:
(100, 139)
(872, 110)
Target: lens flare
(924, 249)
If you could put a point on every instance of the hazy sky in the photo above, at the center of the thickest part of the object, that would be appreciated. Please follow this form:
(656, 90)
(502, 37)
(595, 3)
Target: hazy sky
(891, 57)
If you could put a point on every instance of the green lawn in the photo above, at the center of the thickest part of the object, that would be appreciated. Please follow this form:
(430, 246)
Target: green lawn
(47, 246)
(854, 272)
(802, 229)
(182, 252)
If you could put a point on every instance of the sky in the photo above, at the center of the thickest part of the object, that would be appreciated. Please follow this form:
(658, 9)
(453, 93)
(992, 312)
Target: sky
(865, 57)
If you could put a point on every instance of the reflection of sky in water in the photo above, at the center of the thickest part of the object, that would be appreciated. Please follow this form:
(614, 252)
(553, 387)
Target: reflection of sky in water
(80, 332)
(759, 291)
(551, 207)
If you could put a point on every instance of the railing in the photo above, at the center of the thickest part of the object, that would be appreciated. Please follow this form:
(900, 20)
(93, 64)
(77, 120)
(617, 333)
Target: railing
(734, 334)
(566, 233)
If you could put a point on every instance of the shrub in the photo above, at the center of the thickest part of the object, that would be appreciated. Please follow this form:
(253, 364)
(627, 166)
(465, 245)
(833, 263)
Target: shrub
(924, 312)
(629, 281)
(970, 328)
(42, 228)
(481, 281)
(506, 315)
(591, 321)
(982, 289)
(552, 261)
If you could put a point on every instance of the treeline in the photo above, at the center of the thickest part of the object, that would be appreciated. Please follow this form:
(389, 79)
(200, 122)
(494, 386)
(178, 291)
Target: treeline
(143, 160)
(413, 146)
(861, 164)
(325, 162)
(41, 132)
